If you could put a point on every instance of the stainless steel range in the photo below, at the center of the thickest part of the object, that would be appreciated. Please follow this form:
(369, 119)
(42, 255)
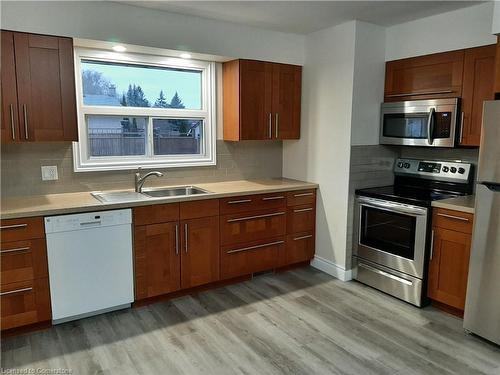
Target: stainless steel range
(392, 225)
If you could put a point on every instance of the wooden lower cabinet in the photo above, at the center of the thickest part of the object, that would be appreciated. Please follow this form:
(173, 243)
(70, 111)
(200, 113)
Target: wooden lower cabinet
(157, 259)
(449, 262)
(199, 251)
(24, 303)
(496, 88)
(299, 247)
(256, 256)
(23, 260)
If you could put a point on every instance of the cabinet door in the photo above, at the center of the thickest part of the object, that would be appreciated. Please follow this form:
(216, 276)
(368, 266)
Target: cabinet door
(255, 99)
(199, 251)
(299, 248)
(432, 76)
(287, 80)
(157, 259)
(497, 71)
(46, 87)
(479, 68)
(10, 122)
(449, 265)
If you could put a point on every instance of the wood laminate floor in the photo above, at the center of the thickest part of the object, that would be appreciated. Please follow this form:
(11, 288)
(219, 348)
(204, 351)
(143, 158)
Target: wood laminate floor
(299, 322)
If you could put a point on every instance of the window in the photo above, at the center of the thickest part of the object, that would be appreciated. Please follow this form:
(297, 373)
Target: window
(143, 110)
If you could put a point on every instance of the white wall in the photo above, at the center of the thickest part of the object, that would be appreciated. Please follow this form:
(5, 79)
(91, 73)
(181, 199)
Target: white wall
(322, 153)
(462, 28)
(368, 90)
(108, 21)
(495, 28)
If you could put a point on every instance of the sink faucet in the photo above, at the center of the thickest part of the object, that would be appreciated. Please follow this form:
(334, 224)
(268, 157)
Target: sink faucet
(139, 180)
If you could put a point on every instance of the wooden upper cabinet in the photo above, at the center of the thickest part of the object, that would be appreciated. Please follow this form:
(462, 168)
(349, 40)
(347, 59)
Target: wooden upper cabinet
(478, 86)
(431, 76)
(261, 100)
(43, 76)
(10, 121)
(287, 83)
(497, 71)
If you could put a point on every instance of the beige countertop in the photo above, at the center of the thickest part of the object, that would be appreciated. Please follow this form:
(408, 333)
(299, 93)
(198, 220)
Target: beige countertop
(57, 204)
(463, 204)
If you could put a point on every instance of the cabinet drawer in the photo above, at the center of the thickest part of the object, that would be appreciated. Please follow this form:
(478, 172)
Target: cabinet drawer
(301, 197)
(23, 260)
(300, 219)
(248, 203)
(158, 213)
(199, 209)
(21, 229)
(251, 257)
(452, 220)
(252, 226)
(299, 247)
(24, 303)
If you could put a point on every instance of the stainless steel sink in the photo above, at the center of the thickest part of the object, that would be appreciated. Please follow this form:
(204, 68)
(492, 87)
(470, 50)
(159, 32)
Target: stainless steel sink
(118, 196)
(174, 192)
(132, 196)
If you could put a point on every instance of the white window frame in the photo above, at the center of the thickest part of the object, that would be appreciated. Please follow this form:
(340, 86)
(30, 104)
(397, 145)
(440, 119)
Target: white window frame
(84, 162)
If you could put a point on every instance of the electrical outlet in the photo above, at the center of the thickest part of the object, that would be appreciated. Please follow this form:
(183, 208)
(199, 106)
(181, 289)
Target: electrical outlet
(49, 173)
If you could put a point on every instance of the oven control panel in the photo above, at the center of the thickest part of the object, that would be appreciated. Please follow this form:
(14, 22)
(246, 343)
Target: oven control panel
(439, 170)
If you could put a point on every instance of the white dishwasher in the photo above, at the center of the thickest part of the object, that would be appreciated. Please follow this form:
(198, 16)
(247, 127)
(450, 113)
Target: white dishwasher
(90, 263)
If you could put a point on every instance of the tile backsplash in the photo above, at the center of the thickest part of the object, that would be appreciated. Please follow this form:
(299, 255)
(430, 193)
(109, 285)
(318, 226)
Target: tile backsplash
(21, 168)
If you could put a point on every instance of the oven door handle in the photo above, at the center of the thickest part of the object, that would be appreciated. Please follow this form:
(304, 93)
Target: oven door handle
(394, 207)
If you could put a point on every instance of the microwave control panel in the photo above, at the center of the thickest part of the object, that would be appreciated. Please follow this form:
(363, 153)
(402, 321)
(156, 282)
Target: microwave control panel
(442, 170)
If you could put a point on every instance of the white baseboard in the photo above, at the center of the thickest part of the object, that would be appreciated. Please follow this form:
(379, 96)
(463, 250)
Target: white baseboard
(331, 268)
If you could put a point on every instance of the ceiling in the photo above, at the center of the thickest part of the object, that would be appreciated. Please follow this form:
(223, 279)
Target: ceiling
(303, 17)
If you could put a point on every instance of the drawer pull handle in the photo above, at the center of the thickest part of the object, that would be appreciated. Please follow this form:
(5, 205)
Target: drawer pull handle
(23, 290)
(453, 217)
(273, 198)
(303, 209)
(176, 239)
(302, 237)
(14, 226)
(303, 195)
(419, 93)
(254, 217)
(255, 247)
(14, 250)
(240, 201)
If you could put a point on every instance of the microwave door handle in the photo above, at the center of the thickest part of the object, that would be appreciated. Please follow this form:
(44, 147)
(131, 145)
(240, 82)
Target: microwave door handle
(430, 126)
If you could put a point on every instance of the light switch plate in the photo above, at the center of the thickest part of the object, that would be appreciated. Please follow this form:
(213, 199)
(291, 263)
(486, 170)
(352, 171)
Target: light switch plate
(49, 173)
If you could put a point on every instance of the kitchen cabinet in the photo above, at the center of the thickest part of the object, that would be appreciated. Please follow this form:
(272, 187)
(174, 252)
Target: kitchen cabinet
(24, 284)
(38, 88)
(497, 71)
(200, 251)
(300, 228)
(438, 75)
(449, 259)
(479, 68)
(176, 247)
(261, 100)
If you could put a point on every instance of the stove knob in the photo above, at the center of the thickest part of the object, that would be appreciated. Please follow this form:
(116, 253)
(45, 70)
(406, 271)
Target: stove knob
(400, 164)
(461, 170)
(406, 165)
(453, 169)
(445, 169)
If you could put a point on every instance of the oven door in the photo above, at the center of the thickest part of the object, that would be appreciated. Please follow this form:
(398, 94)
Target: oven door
(430, 123)
(391, 234)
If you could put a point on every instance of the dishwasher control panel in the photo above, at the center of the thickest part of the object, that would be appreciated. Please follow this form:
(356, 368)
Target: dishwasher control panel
(64, 223)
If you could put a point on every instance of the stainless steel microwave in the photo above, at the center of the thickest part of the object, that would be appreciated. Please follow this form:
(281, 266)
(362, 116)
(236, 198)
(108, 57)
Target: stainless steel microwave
(430, 123)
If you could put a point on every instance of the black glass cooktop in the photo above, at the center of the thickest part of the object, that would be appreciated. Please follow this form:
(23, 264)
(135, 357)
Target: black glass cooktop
(415, 196)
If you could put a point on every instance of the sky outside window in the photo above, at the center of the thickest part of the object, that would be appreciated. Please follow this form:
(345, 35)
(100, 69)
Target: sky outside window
(107, 83)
